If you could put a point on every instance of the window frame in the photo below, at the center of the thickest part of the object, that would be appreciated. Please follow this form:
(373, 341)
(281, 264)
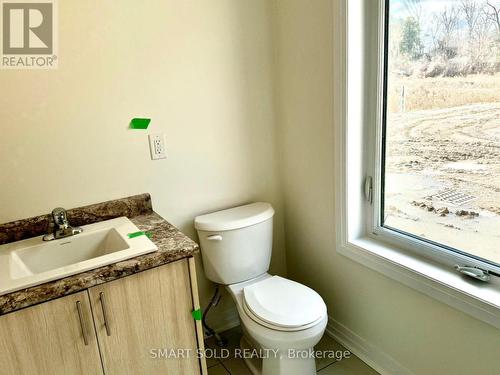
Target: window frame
(428, 248)
(360, 88)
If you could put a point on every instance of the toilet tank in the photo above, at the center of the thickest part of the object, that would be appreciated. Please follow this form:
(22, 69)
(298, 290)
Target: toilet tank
(236, 243)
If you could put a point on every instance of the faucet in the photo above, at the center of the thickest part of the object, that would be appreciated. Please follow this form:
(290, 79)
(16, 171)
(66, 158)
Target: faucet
(62, 228)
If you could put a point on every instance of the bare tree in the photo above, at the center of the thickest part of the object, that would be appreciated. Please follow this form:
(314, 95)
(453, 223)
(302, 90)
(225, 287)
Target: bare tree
(434, 30)
(478, 29)
(414, 9)
(471, 14)
(482, 35)
(494, 15)
(449, 20)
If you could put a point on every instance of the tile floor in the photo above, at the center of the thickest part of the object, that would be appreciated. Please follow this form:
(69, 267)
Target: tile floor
(235, 366)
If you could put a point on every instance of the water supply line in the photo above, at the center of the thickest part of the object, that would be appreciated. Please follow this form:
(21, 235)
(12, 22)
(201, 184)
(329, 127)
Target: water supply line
(221, 341)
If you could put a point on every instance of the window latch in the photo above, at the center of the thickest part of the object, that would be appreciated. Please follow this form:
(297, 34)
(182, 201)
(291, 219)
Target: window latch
(369, 189)
(475, 272)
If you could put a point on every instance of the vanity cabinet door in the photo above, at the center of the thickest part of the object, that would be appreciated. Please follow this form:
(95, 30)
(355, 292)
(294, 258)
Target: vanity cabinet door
(140, 314)
(53, 338)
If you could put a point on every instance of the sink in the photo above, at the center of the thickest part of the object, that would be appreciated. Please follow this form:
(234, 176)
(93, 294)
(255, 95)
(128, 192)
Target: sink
(32, 262)
(56, 254)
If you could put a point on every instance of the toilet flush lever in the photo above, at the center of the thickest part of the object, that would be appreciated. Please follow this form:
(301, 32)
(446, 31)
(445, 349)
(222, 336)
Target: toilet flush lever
(214, 237)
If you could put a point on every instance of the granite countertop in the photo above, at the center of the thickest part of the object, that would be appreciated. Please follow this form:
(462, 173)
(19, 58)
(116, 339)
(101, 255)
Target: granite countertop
(172, 245)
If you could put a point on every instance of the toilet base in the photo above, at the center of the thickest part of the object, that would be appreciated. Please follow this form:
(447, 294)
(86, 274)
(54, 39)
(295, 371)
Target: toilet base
(281, 365)
(253, 364)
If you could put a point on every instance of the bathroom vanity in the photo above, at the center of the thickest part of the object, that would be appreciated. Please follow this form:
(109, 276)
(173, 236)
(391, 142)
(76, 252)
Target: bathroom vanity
(115, 319)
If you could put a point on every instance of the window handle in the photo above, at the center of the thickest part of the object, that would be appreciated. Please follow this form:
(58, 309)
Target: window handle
(476, 273)
(369, 189)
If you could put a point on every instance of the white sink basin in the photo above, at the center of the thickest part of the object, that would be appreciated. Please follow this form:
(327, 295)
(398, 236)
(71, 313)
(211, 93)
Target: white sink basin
(33, 261)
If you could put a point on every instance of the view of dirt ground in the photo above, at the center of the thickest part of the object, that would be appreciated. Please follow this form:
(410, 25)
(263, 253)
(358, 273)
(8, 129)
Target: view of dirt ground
(442, 178)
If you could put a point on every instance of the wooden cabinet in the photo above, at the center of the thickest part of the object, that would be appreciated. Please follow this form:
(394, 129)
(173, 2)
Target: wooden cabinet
(143, 313)
(49, 339)
(114, 328)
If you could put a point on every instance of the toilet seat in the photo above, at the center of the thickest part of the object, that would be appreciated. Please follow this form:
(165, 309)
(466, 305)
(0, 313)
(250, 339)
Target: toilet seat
(282, 304)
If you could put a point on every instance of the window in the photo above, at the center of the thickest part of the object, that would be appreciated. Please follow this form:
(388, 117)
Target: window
(417, 114)
(440, 180)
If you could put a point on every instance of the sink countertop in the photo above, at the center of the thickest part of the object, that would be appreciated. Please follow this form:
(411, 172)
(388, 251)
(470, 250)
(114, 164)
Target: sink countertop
(172, 245)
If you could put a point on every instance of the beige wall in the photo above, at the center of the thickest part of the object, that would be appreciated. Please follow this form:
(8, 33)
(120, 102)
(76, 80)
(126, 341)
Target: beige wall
(201, 70)
(420, 333)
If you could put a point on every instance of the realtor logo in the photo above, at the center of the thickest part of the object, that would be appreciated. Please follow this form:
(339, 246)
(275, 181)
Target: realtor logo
(28, 34)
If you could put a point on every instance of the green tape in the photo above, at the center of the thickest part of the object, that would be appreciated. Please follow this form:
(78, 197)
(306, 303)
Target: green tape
(140, 233)
(196, 314)
(140, 123)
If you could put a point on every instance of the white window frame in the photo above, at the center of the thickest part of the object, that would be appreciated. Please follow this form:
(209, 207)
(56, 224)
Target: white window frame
(358, 73)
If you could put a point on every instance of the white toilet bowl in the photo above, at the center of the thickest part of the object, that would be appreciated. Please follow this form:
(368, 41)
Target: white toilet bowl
(282, 318)
(289, 348)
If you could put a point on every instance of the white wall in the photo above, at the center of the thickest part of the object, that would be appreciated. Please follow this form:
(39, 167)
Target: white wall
(420, 333)
(202, 70)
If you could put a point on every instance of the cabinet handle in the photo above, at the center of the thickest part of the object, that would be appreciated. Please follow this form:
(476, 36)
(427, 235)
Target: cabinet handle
(103, 307)
(82, 322)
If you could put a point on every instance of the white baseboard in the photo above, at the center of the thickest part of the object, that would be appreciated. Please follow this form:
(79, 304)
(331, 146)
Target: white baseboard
(380, 361)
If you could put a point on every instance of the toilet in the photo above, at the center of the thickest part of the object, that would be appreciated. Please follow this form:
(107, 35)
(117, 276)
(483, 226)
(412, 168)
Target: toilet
(281, 319)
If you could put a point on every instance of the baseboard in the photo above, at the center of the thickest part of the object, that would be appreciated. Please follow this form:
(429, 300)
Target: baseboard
(380, 361)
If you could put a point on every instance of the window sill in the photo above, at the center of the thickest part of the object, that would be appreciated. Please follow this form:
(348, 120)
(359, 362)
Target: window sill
(478, 299)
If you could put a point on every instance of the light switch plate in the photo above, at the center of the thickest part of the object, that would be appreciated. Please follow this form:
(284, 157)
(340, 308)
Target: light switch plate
(157, 146)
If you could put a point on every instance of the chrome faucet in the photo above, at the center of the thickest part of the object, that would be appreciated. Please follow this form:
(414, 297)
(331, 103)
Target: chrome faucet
(62, 228)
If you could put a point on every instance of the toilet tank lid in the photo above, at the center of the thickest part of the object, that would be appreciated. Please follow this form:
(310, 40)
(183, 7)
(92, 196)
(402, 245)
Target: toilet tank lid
(235, 218)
